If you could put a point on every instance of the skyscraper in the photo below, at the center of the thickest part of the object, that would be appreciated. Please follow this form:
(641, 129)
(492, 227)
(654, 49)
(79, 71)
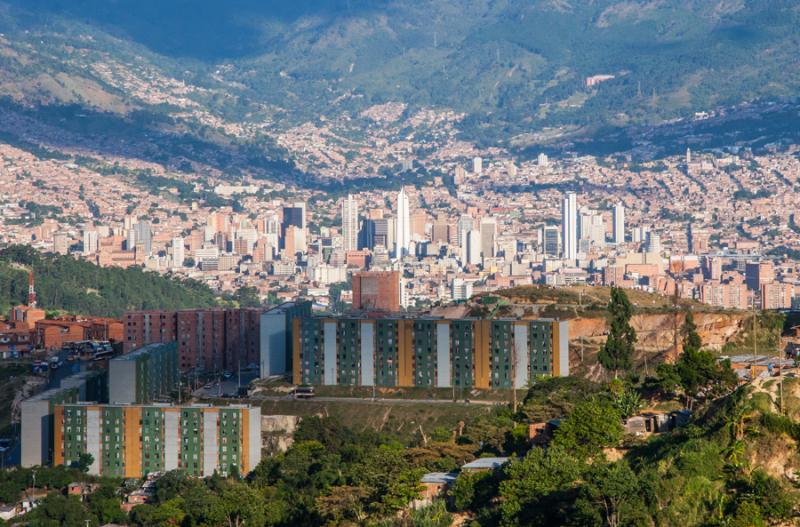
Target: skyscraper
(178, 252)
(465, 224)
(488, 236)
(350, 223)
(402, 237)
(619, 223)
(550, 241)
(477, 166)
(569, 226)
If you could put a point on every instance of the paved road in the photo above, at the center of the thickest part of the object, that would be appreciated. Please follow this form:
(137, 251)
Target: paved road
(378, 400)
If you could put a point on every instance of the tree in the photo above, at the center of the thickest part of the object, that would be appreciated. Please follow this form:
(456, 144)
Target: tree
(242, 505)
(83, 463)
(534, 485)
(57, 510)
(591, 426)
(615, 491)
(617, 352)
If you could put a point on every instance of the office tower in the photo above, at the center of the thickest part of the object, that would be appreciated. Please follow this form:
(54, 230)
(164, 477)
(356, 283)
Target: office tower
(477, 166)
(550, 245)
(688, 156)
(419, 221)
(653, 244)
(377, 290)
(592, 228)
(178, 252)
(293, 216)
(350, 224)
(440, 231)
(461, 289)
(60, 243)
(403, 225)
(488, 230)
(619, 223)
(465, 224)
(91, 242)
(569, 226)
(142, 236)
(473, 247)
(459, 175)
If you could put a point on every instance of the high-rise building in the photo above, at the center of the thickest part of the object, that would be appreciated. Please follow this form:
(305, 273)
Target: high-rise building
(592, 228)
(619, 223)
(653, 244)
(403, 226)
(60, 243)
(472, 248)
(91, 242)
(377, 290)
(465, 224)
(759, 273)
(349, 224)
(293, 216)
(461, 289)
(543, 160)
(178, 251)
(488, 229)
(275, 334)
(550, 245)
(569, 226)
(477, 165)
(143, 237)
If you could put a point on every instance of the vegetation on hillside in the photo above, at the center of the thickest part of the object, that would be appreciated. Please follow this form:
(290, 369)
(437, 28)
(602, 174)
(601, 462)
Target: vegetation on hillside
(80, 287)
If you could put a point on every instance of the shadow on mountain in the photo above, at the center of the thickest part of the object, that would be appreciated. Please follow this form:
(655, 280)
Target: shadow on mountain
(208, 30)
(144, 135)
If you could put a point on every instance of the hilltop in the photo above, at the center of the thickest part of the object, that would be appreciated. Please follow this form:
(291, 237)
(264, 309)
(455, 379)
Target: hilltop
(64, 283)
(216, 83)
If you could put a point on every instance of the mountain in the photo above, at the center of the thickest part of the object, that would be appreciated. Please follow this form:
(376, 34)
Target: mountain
(218, 79)
(81, 287)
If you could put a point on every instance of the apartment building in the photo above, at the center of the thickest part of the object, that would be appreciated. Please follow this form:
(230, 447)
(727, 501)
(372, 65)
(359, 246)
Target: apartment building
(131, 441)
(428, 352)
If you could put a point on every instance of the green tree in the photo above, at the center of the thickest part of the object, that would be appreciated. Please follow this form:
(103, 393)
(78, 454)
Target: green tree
(59, 511)
(591, 426)
(615, 493)
(617, 352)
(533, 486)
(242, 505)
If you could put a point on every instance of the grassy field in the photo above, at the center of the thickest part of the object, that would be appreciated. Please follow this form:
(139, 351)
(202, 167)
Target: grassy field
(403, 419)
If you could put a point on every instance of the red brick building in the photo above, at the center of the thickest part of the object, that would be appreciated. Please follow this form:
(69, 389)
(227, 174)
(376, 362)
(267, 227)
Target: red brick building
(377, 291)
(211, 339)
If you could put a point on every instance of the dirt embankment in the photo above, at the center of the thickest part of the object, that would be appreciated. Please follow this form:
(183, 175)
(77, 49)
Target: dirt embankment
(656, 333)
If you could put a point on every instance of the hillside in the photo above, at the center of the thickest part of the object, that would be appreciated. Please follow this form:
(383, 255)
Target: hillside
(215, 82)
(64, 283)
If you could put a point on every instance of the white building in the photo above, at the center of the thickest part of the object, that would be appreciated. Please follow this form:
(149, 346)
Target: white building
(402, 237)
(477, 166)
(619, 223)
(460, 289)
(349, 224)
(569, 226)
(178, 252)
(91, 242)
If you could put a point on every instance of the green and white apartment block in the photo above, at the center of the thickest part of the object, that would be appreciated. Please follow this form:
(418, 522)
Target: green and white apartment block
(144, 375)
(132, 441)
